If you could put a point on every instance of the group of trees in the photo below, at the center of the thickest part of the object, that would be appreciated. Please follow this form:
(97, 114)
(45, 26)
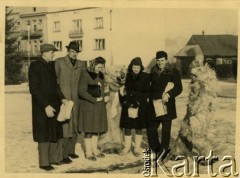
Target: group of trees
(12, 54)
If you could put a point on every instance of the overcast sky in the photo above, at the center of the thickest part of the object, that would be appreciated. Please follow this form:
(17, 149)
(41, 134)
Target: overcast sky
(180, 24)
(165, 29)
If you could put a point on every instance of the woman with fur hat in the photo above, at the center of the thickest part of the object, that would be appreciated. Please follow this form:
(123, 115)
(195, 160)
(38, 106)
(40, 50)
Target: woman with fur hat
(134, 105)
(92, 116)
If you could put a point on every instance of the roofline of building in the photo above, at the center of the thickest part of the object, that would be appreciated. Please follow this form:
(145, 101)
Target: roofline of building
(67, 10)
(209, 56)
(32, 14)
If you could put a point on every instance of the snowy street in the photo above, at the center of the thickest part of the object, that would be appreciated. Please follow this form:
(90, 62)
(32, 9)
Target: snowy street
(21, 152)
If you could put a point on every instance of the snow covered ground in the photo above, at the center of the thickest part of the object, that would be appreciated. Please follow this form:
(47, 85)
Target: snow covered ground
(21, 152)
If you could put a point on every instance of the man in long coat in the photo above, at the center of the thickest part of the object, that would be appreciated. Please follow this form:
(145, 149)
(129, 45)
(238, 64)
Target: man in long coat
(161, 76)
(69, 71)
(46, 101)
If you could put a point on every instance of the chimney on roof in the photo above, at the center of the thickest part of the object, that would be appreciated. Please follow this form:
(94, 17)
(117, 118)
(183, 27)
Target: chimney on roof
(203, 32)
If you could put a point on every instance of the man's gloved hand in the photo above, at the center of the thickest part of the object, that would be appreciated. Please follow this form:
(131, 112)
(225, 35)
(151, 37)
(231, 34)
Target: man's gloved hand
(50, 111)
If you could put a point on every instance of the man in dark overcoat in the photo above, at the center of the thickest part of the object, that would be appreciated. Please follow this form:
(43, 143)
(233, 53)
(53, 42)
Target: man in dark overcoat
(46, 101)
(161, 75)
(69, 70)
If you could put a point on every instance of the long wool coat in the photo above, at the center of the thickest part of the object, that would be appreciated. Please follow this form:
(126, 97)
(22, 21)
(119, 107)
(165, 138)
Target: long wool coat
(92, 115)
(159, 83)
(138, 91)
(45, 91)
(69, 78)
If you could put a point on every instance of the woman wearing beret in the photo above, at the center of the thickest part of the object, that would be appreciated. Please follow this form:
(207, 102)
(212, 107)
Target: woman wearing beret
(134, 105)
(92, 115)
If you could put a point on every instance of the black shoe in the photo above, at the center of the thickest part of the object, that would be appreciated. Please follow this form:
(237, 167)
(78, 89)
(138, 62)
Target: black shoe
(73, 156)
(100, 155)
(67, 160)
(58, 164)
(91, 158)
(47, 168)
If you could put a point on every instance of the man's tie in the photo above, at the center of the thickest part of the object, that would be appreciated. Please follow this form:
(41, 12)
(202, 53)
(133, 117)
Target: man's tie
(73, 61)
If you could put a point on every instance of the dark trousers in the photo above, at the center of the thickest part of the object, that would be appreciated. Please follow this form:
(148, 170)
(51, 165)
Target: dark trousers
(50, 152)
(69, 145)
(153, 137)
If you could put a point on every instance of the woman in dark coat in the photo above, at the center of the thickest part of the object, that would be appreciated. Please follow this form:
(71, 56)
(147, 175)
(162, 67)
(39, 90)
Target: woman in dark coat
(92, 116)
(136, 99)
(162, 75)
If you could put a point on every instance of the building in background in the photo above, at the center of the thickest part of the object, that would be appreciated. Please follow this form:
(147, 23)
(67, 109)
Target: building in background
(118, 35)
(33, 34)
(91, 27)
(219, 50)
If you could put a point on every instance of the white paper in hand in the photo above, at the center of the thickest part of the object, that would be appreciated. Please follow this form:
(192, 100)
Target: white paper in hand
(159, 107)
(65, 111)
(132, 112)
(169, 86)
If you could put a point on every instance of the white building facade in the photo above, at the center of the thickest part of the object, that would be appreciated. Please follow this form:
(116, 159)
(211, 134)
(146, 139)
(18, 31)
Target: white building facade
(89, 26)
(118, 35)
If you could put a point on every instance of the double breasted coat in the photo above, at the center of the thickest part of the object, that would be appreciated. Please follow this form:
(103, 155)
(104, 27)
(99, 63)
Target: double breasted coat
(159, 82)
(69, 81)
(45, 91)
(92, 114)
(137, 95)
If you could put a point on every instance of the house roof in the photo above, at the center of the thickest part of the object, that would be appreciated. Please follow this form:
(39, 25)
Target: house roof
(189, 50)
(216, 45)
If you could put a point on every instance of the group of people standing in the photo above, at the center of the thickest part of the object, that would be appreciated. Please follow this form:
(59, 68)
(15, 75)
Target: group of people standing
(53, 84)
(142, 92)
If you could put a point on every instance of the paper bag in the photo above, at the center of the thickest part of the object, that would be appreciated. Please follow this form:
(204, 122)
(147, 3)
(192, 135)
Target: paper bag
(159, 107)
(132, 112)
(65, 111)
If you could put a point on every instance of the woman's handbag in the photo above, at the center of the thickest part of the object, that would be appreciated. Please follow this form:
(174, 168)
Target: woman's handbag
(94, 90)
(132, 112)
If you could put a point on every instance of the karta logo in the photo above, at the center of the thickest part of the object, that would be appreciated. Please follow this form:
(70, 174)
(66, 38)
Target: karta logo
(154, 163)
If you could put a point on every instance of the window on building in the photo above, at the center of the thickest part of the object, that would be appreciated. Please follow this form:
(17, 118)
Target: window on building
(56, 26)
(58, 45)
(98, 22)
(77, 25)
(16, 26)
(34, 9)
(34, 25)
(219, 61)
(80, 44)
(34, 47)
(28, 25)
(99, 44)
(40, 25)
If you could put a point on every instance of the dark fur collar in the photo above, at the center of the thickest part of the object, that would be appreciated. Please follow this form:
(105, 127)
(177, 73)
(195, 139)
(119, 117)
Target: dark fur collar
(94, 75)
(168, 70)
(134, 76)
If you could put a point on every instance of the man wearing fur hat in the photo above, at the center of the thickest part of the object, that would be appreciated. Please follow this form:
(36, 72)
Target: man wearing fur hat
(68, 71)
(166, 85)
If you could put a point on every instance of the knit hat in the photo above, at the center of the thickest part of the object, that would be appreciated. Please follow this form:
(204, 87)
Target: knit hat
(136, 61)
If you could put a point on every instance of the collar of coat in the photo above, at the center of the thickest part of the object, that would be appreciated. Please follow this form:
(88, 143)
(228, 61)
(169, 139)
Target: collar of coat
(43, 60)
(69, 64)
(168, 70)
(94, 75)
(133, 76)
